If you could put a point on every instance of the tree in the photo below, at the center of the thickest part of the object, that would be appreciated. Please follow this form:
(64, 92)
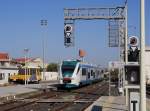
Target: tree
(52, 67)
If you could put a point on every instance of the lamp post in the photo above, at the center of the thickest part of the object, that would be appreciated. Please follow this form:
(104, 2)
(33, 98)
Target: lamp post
(25, 54)
(44, 25)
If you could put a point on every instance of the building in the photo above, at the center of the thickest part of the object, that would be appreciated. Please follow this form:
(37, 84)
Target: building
(30, 62)
(7, 68)
(49, 76)
(114, 65)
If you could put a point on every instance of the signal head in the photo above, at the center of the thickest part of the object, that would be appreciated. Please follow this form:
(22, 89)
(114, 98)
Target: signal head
(68, 28)
(133, 41)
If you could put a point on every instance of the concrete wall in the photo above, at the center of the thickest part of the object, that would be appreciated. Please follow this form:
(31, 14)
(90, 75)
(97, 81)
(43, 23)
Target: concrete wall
(48, 76)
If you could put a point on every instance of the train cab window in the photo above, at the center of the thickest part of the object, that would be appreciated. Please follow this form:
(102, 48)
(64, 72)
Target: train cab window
(84, 71)
(67, 71)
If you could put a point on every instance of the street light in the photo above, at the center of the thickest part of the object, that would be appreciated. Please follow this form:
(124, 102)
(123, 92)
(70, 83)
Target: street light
(25, 55)
(44, 25)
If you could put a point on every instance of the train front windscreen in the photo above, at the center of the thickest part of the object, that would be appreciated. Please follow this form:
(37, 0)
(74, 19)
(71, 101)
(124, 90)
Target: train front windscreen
(68, 68)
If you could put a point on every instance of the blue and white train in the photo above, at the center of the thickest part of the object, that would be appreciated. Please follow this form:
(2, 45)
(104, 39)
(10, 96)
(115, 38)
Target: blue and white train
(74, 73)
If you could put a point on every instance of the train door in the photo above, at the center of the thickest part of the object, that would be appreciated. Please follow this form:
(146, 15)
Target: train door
(92, 72)
(78, 74)
(88, 76)
(84, 73)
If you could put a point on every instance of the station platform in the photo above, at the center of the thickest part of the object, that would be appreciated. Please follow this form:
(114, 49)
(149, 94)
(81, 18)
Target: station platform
(112, 103)
(20, 89)
(148, 105)
(108, 103)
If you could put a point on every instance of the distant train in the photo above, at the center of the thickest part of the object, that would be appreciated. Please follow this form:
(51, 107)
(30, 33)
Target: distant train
(74, 73)
(29, 75)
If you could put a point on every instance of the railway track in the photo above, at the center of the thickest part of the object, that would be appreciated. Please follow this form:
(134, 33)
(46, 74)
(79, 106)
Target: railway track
(22, 102)
(77, 99)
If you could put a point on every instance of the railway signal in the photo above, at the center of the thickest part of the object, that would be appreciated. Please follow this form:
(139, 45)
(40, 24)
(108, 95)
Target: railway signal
(132, 69)
(68, 34)
(132, 72)
(133, 52)
(68, 28)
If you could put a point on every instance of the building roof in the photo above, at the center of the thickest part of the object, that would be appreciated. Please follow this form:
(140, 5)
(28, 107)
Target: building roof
(22, 60)
(4, 56)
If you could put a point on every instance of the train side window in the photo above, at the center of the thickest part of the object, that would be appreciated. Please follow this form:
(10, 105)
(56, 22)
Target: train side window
(88, 74)
(84, 71)
(91, 72)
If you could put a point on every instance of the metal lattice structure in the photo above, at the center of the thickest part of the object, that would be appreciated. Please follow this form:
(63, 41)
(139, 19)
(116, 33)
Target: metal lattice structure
(94, 13)
(115, 17)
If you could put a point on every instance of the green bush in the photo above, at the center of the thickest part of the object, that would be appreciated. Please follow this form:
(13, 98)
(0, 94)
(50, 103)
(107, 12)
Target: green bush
(52, 67)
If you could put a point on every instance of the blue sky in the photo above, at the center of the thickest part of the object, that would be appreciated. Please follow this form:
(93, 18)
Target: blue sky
(20, 28)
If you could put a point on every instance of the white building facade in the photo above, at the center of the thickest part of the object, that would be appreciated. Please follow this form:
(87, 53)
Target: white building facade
(5, 73)
(7, 68)
(49, 76)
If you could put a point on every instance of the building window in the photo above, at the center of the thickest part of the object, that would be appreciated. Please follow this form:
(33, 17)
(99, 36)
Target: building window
(2, 76)
(2, 63)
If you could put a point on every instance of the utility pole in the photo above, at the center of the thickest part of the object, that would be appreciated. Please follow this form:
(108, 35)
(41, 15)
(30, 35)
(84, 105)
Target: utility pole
(142, 57)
